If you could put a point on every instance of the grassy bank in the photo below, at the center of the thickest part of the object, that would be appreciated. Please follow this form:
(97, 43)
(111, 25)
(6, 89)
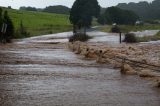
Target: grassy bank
(39, 23)
(149, 38)
(128, 28)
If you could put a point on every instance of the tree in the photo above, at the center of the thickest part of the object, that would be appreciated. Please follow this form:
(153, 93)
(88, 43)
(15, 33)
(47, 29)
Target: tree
(10, 28)
(22, 30)
(144, 9)
(101, 19)
(82, 12)
(1, 19)
(59, 9)
(28, 8)
(1, 22)
(119, 16)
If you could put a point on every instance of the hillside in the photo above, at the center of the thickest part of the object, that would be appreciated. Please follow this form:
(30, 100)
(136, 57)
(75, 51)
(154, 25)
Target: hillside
(38, 23)
(144, 9)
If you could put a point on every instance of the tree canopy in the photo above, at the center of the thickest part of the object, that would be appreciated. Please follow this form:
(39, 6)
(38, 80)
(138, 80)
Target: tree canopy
(28, 8)
(117, 15)
(144, 9)
(59, 9)
(83, 11)
(0, 17)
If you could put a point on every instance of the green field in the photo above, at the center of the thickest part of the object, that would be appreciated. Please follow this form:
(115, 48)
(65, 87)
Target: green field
(39, 23)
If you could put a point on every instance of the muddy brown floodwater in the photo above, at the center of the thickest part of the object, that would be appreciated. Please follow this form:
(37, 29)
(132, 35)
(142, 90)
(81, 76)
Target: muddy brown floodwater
(44, 73)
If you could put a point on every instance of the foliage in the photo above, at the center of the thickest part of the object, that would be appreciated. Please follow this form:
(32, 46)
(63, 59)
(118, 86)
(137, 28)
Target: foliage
(130, 38)
(21, 31)
(9, 32)
(10, 28)
(115, 29)
(79, 37)
(119, 16)
(39, 23)
(129, 28)
(82, 12)
(149, 38)
(144, 9)
(59, 9)
(1, 22)
(9, 7)
(105, 28)
(28, 8)
(101, 19)
(158, 34)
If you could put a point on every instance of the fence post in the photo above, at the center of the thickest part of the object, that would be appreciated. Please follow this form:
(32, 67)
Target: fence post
(120, 37)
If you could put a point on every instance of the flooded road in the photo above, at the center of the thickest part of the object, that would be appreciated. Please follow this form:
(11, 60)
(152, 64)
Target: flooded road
(41, 71)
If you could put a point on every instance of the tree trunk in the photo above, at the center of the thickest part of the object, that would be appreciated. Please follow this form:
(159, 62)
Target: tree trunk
(74, 30)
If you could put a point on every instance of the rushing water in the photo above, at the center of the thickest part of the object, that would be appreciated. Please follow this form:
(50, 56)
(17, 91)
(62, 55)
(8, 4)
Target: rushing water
(41, 71)
(108, 38)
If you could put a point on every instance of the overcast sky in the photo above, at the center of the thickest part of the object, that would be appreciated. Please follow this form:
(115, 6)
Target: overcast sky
(43, 3)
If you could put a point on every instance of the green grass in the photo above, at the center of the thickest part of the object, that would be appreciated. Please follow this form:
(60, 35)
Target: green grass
(105, 28)
(128, 28)
(149, 38)
(39, 23)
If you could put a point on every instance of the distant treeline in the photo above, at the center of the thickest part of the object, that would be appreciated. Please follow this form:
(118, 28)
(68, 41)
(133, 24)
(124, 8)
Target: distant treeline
(144, 9)
(59, 9)
(119, 16)
(28, 8)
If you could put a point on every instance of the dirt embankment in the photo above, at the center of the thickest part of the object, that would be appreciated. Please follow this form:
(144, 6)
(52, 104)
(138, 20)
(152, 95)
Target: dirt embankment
(132, 59)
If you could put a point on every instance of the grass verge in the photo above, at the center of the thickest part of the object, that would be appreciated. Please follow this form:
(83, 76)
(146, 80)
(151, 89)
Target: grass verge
(129, 28)
(149, 38)
(39, 23)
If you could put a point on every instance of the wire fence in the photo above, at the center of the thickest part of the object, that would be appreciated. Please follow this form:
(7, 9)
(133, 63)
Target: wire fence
(134, 63)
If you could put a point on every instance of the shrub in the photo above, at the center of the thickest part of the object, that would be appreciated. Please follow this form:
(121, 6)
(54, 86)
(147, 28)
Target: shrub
(115, 29)
(79, 37)
(130, 38)
(50, 32)
(22, 32)
(9, 34)
(158, 34)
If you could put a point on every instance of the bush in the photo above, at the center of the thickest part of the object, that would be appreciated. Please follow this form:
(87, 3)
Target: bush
(50, 32)
(158, 34)
(21, 32)
(79, 37)
(130, 38)
(115, 29)
(8, 34)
